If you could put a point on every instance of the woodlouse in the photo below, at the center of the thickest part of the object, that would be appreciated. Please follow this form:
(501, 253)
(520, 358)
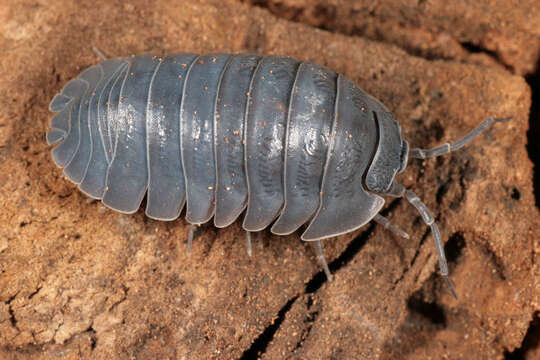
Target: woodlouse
(287, 142)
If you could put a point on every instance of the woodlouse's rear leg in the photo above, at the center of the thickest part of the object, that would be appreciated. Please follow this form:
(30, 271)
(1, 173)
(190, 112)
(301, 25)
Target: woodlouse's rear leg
(320, 255)
(398, 190)
(248, 242)
(99, 53)
(381, 220)
(190, 238)
(447, 147)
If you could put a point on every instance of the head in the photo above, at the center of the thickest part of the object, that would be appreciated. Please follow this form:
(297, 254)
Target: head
(390, 156)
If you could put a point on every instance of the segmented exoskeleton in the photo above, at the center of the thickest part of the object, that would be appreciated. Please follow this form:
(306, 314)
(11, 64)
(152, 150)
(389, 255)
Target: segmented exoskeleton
(288, 143)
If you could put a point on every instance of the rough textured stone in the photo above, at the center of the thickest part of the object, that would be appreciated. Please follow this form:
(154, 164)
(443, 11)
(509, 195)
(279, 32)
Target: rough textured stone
(80, 281)
(508, 31)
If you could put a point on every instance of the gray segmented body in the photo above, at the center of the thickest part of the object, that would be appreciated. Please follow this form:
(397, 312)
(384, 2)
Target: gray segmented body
(281, 140)
(287, 142)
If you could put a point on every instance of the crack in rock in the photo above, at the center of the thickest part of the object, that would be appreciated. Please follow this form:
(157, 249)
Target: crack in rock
(260, 344)
(309, 320)
(12, 318)
(262, 341)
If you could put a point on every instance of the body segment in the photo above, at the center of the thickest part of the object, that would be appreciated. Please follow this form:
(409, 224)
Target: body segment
(127, 176)
(166, 183)
(93, 182)
(197, 135)
(266, 123)
(313, 97)
(229, 128)
(345, 204)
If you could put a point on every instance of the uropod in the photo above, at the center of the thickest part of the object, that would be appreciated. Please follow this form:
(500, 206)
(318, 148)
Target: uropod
(287, 143)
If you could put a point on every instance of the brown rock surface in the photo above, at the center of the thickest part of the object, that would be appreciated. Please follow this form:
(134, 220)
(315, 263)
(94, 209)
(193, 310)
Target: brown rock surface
(80, 281)
(488, 32)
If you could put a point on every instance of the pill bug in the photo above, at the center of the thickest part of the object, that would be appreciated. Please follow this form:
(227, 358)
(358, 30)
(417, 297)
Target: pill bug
(289, 143)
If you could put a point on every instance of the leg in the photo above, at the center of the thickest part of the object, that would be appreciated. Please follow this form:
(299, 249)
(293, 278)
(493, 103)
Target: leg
(399, 190)
(248, 244)
(381, 220)
(322, 260)
(190, 238)
(99, 53)
(447, 147)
